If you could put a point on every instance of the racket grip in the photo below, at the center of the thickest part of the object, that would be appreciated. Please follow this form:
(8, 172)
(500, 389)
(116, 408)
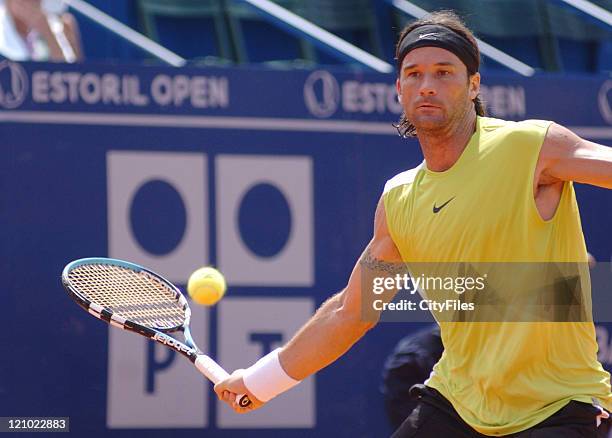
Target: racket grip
(215, 373)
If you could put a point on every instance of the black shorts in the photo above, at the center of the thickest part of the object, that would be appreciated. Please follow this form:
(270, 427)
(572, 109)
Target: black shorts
(435, 417)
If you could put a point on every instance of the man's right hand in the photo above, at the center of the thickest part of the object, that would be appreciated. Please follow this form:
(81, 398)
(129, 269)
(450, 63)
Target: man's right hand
(228, 389)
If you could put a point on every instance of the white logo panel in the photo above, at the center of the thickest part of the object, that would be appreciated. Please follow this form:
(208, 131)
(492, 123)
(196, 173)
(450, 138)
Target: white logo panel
(292, 176)
(127, 172)
(250, 328)
(152, 386)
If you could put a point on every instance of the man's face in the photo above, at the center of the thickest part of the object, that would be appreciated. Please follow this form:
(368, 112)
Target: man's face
(434, 88)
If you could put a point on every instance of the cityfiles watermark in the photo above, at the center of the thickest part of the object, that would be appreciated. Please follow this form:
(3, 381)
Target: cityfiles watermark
(485, 292)
(430, 305)
(411, 285)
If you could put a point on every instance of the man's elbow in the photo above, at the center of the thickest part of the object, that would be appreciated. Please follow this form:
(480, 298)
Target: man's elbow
(359, 322)
(368, 325)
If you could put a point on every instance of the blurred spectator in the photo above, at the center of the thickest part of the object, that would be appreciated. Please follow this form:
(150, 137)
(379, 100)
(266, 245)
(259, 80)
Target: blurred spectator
(38, 30)
(409, 364)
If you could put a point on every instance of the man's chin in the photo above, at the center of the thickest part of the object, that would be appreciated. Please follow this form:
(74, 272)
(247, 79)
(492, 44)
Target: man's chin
(429, 123)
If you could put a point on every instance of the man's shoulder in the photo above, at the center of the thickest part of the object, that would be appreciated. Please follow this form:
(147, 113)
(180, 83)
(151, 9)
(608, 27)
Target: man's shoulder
(491, 124)
(402, 178)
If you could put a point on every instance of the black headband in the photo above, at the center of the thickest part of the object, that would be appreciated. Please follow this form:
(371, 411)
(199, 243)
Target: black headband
(434, 35)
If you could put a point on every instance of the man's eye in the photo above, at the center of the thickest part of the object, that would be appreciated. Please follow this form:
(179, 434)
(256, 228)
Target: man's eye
(413, 74)
(443, 72)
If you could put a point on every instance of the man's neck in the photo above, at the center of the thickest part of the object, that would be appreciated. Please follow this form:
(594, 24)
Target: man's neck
(443, 148)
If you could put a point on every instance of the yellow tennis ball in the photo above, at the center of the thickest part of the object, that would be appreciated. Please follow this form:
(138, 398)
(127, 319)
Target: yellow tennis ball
(206, 286)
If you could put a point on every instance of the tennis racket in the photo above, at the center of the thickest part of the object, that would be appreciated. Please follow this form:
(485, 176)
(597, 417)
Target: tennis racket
(138, 300)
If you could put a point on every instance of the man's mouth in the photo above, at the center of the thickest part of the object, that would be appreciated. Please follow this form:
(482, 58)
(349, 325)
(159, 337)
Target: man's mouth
(427, 105)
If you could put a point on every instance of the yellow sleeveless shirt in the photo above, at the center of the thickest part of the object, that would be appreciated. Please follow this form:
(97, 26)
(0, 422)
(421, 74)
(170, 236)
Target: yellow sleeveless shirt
(501, 377)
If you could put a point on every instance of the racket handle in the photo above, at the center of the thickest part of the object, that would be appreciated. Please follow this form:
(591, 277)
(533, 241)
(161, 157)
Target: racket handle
(213, 371)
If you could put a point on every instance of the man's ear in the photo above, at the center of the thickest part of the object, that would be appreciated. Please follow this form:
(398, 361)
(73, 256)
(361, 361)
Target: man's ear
(474, 85)
(399, 91)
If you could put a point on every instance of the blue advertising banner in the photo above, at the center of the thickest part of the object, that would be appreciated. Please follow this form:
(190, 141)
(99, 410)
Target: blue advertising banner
(271, 176)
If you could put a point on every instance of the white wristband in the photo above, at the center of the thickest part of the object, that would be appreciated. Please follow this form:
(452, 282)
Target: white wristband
(266, 378)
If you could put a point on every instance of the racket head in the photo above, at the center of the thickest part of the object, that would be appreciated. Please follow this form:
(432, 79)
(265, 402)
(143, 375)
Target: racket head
(125, 294)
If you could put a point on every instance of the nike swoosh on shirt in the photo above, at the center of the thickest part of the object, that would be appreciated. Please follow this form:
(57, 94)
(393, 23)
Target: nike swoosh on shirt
(437, 209)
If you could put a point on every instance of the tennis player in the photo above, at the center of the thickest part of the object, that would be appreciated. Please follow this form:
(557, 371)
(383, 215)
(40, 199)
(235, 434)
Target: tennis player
(489, 190)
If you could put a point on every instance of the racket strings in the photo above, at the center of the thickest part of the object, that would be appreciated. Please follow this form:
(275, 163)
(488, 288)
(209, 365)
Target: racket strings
(135, 296)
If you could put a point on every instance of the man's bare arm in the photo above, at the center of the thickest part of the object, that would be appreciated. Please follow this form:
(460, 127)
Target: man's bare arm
(339, 323)
(567, 157)
(336, 325)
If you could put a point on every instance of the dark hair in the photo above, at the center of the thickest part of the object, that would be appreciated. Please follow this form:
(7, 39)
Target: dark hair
(452, 21)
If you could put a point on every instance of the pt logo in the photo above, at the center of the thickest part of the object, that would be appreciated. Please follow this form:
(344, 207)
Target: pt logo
(13, 84)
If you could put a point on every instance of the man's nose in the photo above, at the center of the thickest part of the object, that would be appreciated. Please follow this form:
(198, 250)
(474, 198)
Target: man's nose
(427, 87)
